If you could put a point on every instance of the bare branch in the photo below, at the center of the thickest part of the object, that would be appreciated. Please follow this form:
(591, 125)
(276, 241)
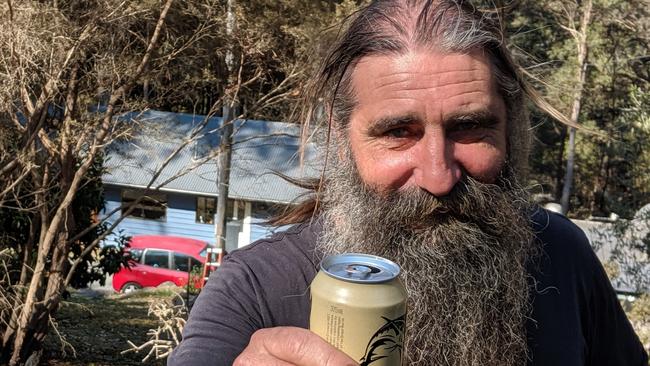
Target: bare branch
(70, 109)
(27, 101)
(13, 184)
(16, 122)
(9, 167)
(166, 336)
(48, 238)
(572, 31)
(264, 137)
(64, 342)
(117, 94)
(47, 143)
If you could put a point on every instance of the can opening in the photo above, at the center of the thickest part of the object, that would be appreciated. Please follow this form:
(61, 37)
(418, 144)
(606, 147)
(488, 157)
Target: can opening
(360, 270)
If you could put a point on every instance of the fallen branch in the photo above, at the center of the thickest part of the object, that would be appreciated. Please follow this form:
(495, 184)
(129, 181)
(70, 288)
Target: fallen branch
(167, 335)
(64, 342)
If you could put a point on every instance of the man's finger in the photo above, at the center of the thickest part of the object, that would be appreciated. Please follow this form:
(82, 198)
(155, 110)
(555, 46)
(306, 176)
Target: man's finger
(250, 359)
(299, 347)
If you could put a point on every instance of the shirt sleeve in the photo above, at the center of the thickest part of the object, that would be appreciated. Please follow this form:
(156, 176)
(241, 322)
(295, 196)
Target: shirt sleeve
(577, 318)
(223, 318)
(612, 340)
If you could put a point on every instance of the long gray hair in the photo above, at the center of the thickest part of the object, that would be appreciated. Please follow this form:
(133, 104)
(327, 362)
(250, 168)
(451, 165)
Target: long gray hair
(392, 27)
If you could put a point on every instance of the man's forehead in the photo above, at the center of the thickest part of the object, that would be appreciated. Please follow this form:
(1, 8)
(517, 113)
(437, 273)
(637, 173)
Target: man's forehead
(425, 65)
(424, 81)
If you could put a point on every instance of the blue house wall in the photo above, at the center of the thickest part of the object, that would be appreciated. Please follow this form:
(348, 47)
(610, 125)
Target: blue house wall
(260, 231)
(180, 220)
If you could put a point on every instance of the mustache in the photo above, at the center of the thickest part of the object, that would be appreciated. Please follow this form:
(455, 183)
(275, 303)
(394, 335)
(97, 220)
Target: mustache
(427, 204)
(469, 201)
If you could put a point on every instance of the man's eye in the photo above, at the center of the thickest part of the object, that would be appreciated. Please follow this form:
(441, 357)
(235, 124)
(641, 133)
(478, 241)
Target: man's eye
(468, 132)
(466, 126)
(398, 132)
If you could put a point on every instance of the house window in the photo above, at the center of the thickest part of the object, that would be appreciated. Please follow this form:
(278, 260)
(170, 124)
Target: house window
(206, 208)
(152, 206)
(235, 210)
(267, 210)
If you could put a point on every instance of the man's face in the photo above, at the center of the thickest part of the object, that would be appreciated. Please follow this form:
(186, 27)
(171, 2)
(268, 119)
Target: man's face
(421, 179)
(423, 119)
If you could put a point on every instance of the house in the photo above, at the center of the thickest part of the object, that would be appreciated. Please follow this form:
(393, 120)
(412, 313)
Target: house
(185, 202)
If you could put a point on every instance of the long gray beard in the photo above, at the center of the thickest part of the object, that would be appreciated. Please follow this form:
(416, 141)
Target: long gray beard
(463, 261)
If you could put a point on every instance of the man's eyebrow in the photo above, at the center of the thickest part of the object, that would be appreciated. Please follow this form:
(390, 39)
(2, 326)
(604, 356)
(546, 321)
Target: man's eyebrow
(381, 125)
(482, 117)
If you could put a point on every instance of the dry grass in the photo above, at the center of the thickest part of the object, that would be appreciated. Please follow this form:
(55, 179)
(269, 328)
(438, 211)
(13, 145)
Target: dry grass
(99, 329)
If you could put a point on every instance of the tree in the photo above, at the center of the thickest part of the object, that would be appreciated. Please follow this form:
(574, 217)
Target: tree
(231, 107)
(579, 34)
(617, 40)
(54, 153)
(73, 70)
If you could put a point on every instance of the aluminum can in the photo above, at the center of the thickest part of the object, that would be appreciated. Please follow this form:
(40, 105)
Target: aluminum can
(358, 305)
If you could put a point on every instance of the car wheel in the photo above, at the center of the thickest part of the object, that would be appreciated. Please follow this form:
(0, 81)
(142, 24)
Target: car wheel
(130, 287)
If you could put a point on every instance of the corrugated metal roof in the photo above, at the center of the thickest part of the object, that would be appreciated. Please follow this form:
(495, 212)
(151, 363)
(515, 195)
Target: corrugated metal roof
(260, 149)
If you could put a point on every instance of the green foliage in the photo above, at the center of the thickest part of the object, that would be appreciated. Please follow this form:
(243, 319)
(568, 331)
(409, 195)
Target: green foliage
(609, 175)
(631, 132)
(194, 279)
(275, 44)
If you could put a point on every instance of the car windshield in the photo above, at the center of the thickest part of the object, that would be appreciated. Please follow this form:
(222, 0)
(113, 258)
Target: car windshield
(135, 254)
(204, 252)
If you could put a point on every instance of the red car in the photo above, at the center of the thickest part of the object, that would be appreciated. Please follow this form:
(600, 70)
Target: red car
(158, 259)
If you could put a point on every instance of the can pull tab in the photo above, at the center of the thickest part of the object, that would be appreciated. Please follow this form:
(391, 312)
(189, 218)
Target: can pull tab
(358, 270)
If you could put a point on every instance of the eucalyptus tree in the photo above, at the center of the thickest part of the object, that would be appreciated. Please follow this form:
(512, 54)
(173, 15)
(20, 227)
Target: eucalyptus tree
(609, 67)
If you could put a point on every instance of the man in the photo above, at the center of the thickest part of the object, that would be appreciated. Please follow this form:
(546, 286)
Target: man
(427, 141)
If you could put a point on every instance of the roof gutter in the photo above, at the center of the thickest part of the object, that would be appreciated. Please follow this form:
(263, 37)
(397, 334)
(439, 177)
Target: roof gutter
(204, 194)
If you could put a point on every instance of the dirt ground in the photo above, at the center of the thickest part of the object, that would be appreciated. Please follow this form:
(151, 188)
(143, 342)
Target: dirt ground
(97, 327)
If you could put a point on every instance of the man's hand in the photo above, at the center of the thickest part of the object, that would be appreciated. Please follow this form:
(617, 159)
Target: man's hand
(284, 346)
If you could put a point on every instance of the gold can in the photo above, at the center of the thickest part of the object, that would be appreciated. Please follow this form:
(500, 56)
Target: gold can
(358, 305)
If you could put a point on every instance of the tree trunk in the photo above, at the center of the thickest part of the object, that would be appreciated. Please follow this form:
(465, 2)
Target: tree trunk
(225, 156)
(34, 319)
(559, 171)
(53, 292)
(27, 258)
(18, 290)
(29, 308)
(568, 177)
(598, 206)
(56, 280)
(40, 181)
(581, 40)
(230, 110)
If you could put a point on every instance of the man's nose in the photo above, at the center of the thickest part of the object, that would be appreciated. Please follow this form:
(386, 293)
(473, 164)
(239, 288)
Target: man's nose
(437, 170)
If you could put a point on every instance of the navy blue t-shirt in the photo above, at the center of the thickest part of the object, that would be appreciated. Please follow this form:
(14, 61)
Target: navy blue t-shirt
(576, 318)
